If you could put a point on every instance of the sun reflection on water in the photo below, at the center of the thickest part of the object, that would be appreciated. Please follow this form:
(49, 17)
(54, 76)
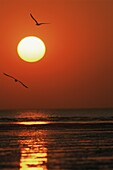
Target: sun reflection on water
(33, 158)
(33, 123)
(33, 151)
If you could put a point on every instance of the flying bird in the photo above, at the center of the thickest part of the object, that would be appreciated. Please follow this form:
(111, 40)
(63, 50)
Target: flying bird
(37, 23)
(15, 80)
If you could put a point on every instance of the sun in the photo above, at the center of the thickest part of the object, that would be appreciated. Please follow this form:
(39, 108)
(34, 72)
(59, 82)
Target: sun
(31, 49)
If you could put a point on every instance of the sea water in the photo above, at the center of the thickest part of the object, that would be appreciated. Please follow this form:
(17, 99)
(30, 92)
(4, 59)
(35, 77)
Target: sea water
(56, 139)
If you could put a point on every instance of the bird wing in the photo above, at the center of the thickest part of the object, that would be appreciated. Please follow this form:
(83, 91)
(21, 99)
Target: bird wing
(8, 75)
(15, 79)
(23, 84)
(44, 23)
(33, 18)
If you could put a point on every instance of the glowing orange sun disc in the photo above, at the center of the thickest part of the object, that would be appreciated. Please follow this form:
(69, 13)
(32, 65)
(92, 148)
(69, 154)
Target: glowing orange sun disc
(31, 49)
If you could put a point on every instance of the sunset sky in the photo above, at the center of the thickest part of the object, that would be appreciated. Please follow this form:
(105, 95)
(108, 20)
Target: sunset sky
(77, 69)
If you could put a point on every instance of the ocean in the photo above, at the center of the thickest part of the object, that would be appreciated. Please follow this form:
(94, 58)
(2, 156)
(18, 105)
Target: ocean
(56, 139)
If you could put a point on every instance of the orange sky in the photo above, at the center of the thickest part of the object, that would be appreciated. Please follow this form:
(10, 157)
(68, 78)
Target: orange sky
(77, 70)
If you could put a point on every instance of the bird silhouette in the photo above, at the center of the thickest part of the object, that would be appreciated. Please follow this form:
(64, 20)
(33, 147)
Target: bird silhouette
(15, 80)
(37, 23)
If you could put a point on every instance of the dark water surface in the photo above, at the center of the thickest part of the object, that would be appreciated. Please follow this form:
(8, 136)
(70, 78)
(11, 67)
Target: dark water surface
(56, 139)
